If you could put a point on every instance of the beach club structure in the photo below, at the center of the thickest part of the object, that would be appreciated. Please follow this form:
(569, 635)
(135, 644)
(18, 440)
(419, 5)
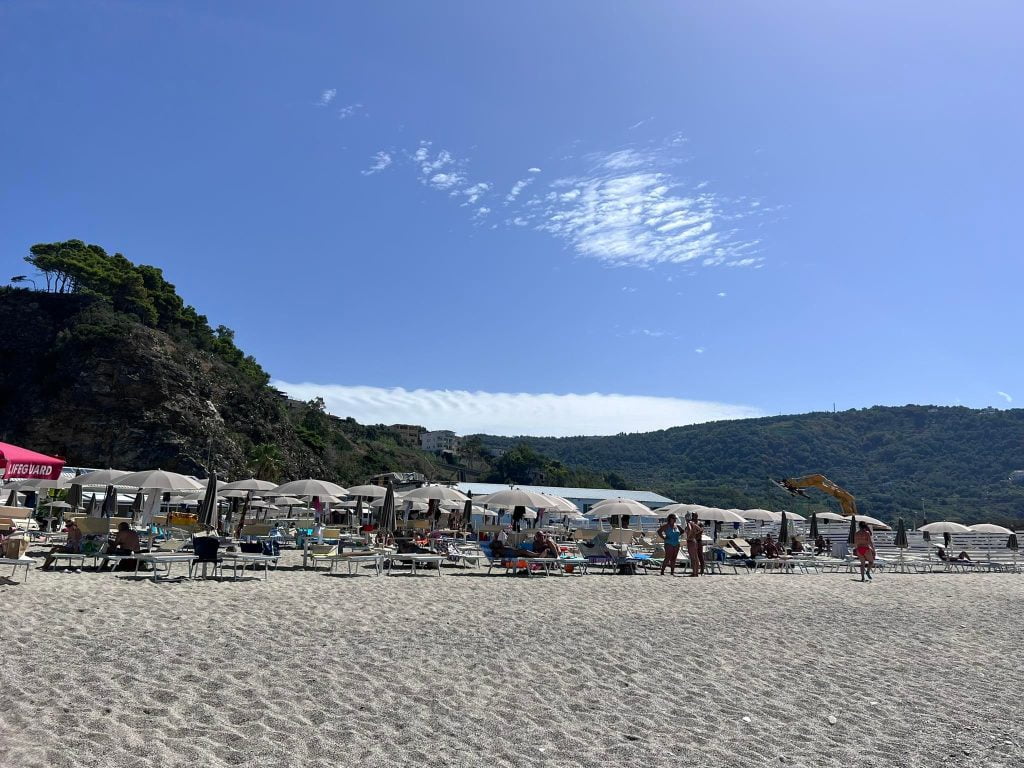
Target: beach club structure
(145, 524)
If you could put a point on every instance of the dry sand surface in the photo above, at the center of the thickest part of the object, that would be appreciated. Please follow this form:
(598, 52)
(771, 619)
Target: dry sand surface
(468, 670)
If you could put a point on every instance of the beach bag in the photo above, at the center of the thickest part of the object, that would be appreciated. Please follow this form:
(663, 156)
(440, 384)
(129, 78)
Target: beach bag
(15, 547)
(272, 548)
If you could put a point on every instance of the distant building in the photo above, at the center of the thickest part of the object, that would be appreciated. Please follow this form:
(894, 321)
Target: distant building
(402, 481)
(441, 441)
(409, 434)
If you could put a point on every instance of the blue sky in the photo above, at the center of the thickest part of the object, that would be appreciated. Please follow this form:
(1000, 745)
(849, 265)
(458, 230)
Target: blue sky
(550, 218)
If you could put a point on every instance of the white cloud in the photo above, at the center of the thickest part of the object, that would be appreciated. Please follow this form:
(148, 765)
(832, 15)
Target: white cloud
(327, 97)
(721, 294)
(474, 192)
(506, 413)
(533, 170)
(636, 125)
(446, 180)
(699, 350)
(349, 110)
(1005, 397)
(517, 189)
(381, 160)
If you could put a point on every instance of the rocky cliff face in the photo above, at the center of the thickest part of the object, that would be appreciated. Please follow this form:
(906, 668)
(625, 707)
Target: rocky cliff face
(99, 388)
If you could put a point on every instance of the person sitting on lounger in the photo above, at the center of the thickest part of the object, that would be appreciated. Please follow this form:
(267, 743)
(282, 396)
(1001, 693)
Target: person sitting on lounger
(821, 544)
(756, 548)
(126, 542)
(771, 547)
(796, 546)
(73, 545)
(963, 557)
(548, 548)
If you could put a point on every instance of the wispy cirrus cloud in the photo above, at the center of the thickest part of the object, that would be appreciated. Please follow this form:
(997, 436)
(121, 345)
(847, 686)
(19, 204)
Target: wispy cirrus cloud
(1005, 396)
(327, 96)
(509, 413)
(623, 207)
(380, 161)
(349, 110)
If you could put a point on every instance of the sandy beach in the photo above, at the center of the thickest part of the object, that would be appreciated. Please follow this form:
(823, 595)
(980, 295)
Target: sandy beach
(467, 670)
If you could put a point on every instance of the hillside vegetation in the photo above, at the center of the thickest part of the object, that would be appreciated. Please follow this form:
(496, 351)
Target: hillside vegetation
(946, 462)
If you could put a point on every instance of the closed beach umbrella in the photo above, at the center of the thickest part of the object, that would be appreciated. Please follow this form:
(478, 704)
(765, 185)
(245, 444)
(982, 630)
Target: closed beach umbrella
(109, 508)
(93, 509)
(74, 496)
(1011, 542)
(387, 521)
(467, 513)
(208, 509)
(901, 535)
(140, 499)
(783, 530)
(358, 513)
(12, 499)
(853, 531)
(814, 526)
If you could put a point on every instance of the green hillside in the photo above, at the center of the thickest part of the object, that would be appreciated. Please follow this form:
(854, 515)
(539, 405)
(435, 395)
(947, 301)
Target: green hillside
(946, 462)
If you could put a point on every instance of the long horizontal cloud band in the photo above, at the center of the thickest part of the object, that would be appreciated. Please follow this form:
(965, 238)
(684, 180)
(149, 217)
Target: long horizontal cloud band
(502, 413)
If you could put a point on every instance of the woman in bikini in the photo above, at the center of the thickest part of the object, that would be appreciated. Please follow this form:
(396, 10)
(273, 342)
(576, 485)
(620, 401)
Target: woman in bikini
(864, 549)
(670, 532)
(694, 544)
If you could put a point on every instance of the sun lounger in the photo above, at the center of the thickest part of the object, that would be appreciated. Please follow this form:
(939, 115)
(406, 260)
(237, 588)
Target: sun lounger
(416, 558)
(16, 563)
(244, 559)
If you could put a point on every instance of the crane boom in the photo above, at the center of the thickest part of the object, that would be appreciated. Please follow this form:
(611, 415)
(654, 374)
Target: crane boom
(796, 485)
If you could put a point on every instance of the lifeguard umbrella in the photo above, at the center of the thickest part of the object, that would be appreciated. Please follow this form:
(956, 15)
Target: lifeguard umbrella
(18, 463)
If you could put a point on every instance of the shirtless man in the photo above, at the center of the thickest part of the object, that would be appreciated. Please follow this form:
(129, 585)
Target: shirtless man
(864, 549)
(694, 545)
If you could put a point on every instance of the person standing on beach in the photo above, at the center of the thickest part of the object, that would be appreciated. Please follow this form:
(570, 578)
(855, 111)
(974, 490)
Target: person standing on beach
(670, 533)
(694, 546)
(864, 549)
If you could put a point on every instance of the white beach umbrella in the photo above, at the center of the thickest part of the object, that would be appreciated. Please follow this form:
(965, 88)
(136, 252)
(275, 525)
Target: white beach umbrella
(873, 522)
(99, 477)
(620, 509)
(794, 517)
(435, 493)
(944, 526)
(308, 487)
(158, 480)
(288, 501)
(762, 515)
(833, 517)
(251, 484)
(720, 515)
(989, 528)
(40, 485)
(559, 504)
(621, 500)
(371, 491)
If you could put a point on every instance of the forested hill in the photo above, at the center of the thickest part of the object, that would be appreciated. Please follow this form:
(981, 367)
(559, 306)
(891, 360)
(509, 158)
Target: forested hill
(104, 364)
(947, 462)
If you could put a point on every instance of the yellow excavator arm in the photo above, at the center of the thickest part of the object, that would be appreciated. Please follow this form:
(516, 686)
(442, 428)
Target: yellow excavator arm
(796, 485)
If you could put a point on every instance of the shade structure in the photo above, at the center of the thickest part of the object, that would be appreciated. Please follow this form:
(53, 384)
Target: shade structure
(901, 535)
(989, 528)
(287, 501)
(109, 508)
(510, 498)
(368, 491)
(793, 517)
(249, 484)
(19, 462)
(208, 509)
(159, 480)
(57, 504)
(814, 525)
(762, 515)
(783, 530)
(944, 526)
(99, 478)
(560, 504)
(40, 485)
(387, 521)
(308, 487)
(239, 495)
